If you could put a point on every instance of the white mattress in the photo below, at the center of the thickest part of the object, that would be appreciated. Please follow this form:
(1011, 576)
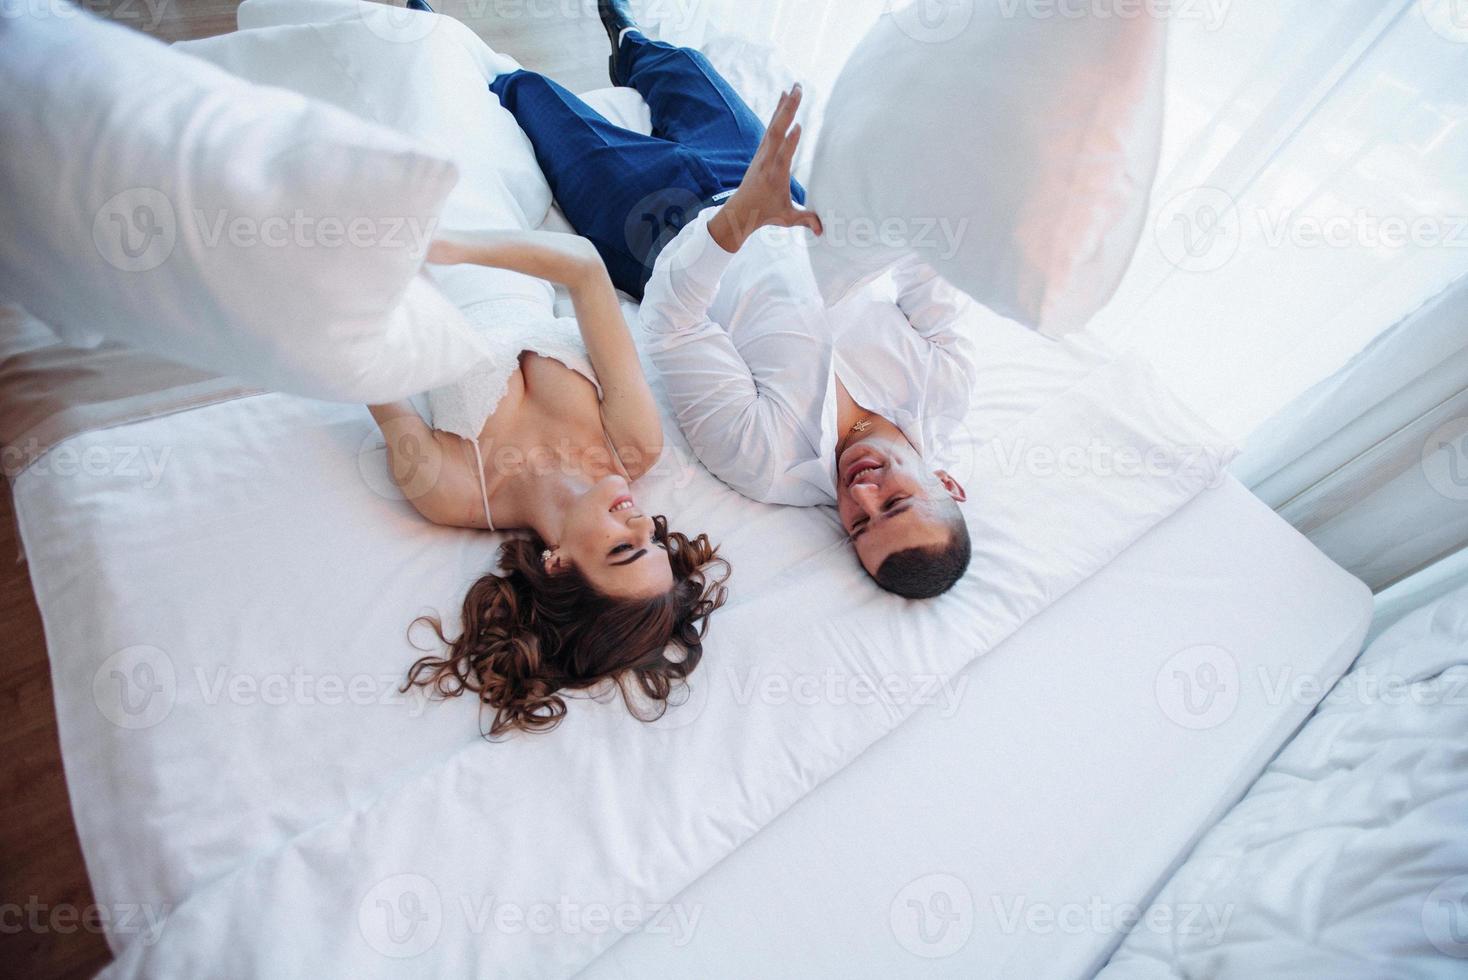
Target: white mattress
(261, 588)
(1058, 791)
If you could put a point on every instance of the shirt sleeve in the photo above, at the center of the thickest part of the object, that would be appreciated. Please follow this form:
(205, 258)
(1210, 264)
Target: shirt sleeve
(737, 430)
(944, 316)
(685, 280)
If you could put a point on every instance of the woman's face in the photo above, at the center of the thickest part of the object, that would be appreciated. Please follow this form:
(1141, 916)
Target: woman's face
(609, 539)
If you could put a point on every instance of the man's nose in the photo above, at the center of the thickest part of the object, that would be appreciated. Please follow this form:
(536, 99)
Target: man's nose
(867, 498)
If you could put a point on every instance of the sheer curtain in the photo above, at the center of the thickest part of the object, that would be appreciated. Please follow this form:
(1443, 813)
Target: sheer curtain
(1313, 192)
(1305, 282)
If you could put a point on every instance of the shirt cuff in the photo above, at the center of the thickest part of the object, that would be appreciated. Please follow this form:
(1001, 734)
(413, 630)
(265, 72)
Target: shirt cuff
(699, 259)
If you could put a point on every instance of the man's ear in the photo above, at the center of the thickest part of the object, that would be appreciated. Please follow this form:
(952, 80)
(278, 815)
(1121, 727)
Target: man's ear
(954, 488)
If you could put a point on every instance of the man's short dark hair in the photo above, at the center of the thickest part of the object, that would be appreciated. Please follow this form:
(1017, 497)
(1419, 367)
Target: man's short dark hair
(923, 573)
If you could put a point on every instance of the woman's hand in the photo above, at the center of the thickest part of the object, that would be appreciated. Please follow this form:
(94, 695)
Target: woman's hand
(568, 260)
(763, 197)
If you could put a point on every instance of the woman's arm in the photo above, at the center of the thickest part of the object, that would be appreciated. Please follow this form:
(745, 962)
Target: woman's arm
(628, 410)
(430, 467)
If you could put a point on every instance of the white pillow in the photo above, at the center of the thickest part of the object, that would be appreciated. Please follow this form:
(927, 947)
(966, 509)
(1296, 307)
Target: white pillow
(162, 202)
(1012, 151)
(432, 85)
(424, 74)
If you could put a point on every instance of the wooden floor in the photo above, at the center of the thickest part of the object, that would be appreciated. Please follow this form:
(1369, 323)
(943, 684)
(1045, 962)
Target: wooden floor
(44, 893)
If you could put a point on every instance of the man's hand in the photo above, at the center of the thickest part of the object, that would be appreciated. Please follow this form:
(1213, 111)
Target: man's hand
(763, 198)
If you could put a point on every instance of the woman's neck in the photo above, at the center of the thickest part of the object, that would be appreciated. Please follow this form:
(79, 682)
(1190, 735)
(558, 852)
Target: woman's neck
(538, 501)
(537, 471)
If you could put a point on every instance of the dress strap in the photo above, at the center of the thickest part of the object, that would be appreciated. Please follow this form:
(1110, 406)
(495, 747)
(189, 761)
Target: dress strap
(483, 489)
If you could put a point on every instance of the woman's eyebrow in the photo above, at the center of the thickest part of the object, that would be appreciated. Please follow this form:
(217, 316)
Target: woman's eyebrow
(628, 561)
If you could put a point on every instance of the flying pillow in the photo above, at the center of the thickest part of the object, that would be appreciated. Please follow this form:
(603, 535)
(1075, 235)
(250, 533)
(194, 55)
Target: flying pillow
(159, 201)
(1012, 151)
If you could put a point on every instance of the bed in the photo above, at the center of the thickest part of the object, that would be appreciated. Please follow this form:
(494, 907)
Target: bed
(853, 786)
(1046, 802)
(248, 561)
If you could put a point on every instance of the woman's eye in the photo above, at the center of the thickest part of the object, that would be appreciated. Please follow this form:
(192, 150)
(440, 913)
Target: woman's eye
(621, 549)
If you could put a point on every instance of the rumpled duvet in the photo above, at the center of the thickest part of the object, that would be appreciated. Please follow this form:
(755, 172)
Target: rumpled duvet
(1349, 857)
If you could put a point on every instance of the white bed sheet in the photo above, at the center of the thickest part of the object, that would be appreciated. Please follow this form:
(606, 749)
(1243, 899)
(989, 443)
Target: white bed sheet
(1055, 794)
(261, 589)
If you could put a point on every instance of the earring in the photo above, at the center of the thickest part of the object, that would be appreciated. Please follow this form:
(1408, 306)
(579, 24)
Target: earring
(547, 555)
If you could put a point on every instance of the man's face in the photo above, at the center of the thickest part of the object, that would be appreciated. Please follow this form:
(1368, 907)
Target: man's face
(889, 502)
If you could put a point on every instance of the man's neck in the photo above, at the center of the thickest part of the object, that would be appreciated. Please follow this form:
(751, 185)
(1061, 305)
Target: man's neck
(849, 414)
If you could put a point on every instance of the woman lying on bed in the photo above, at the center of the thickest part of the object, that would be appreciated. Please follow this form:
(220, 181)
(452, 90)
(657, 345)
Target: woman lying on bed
(600, 589)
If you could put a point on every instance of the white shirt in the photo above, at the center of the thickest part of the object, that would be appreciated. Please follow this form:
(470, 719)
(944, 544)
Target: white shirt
(749, 355)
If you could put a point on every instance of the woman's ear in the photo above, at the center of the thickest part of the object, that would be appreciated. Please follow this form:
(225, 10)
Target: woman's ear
(551, 561)
(954, 488)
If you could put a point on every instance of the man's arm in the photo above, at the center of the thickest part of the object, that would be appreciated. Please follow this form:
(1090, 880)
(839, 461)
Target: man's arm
(629, 411)
(942, 315)
(740, 435)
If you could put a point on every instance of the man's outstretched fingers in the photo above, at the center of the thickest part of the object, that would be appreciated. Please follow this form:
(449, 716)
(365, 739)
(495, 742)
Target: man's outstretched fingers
(785, 111)
(787, 151)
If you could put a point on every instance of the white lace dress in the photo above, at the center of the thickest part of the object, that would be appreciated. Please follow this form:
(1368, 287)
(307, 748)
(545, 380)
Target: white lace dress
(511, 326)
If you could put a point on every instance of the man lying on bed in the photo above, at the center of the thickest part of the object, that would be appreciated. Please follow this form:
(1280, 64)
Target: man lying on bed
(781, 399)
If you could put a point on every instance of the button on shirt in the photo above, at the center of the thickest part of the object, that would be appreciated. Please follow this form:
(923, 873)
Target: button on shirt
(749, 355)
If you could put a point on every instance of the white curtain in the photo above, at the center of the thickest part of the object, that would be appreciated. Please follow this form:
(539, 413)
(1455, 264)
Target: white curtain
(1305, 282)
(1372, 462)
(1314, 191)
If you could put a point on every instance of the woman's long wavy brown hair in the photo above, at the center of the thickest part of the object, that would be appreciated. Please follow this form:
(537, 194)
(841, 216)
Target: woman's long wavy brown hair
(528, 635)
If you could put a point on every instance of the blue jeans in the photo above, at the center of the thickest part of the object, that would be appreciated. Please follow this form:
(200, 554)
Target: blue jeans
(630, 194)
